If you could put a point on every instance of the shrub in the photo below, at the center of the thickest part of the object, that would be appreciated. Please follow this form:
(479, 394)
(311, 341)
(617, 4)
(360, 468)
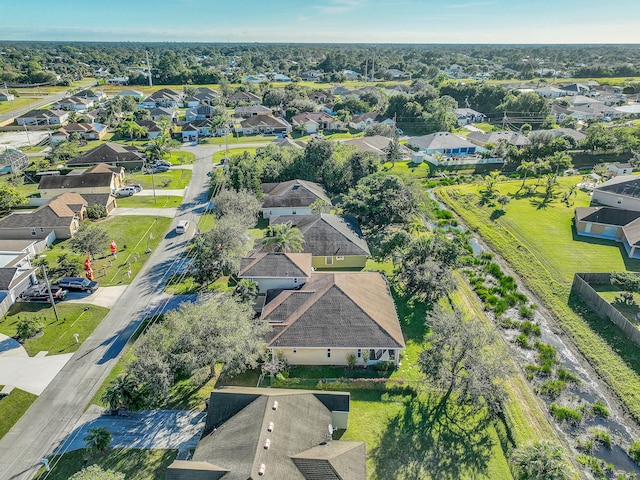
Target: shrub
(351, 361)
(585, 445)
(96, 212)
(565, 414)
(552, 388)
(634, 451)
(601, 436)
(494, 270)
(529, 328)
(29, 327)
(600, 409)
(567, 376)
(385, 365)
(522, 341)
(526, 312)
(546, 354)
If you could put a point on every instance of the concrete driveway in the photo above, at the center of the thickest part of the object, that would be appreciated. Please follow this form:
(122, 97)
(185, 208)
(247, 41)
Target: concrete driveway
(157, 212)
(32, 374)
(155, 429)
(105, 297)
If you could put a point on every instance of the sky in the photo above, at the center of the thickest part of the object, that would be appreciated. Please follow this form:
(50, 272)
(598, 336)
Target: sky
(328, 21)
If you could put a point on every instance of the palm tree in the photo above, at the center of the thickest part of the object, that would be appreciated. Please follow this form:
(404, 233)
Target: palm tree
(159, 147)
(128, 128)
(393, 152)
(319, 206)
(97, 440)
(122, 393)
(560, 159)
(526, 168)
(246, 290)
(283, 237)
(550, 183)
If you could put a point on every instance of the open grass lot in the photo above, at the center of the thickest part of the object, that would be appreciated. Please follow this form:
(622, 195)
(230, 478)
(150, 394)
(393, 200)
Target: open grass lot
(218, 156)
(171, 180)
(538, 242)
(12, 407)
(131, 236)
(407, 170)
(135, 464)
(137, 201)
(180, 158)
(19, 102)
(58, 336)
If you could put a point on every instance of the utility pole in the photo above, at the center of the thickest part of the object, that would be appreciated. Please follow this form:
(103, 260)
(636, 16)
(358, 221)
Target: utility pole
(366, 65)
(53, 303)
(27, 132)
(149, 69)
(153, 185)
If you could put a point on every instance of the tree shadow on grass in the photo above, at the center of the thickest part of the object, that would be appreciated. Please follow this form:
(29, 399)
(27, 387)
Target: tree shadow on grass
(412, 314)
(496, 214)
(424, 442)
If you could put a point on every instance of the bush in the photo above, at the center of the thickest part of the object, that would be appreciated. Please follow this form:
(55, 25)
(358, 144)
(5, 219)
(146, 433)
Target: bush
(634, 451)
(96, 212)
(385, 365)
(602, 437)
(529, 328)
(600, 409)
(566, 376)
(565, 414)
(29, 327)
(552, 388)
(351, 361)
(522, 341)
(526, 312)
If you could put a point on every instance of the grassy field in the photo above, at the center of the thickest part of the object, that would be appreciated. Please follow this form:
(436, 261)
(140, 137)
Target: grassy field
(162, 201)
(180, 158)
(171, 180)
(218, 156)
(135, 464)
(58, 336)
(537, 240)
(12, 407)
(131, 236)
(407, 169)
(19, 102)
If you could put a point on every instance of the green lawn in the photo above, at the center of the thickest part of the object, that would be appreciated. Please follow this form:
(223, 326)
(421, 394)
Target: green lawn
(171, 180)
(135, 464)
(610, 293)
(58, 336)
(137, 201)
(180, 158)
(12, 407)
(132, 237)
(538, 242)
(18, 102)
(407, 169)
(24, 186)
(218, 156)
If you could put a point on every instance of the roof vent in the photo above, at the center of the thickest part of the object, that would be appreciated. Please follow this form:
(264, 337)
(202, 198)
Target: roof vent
(267, 444)
(262, 468)
(275, 405)
(270, 427)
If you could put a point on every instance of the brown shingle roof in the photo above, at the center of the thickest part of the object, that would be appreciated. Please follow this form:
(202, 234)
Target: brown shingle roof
(336, 310)
(276, 265)
(108, 153)
(57, 212)
(294, 193)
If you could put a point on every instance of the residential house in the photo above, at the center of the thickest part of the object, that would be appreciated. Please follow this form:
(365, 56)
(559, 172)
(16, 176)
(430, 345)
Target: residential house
(62, 215)
(465, 116)
(100, 178)
(617, 224)
(395, 73)
(189, 133)
(75, 104)
(247, 97)
(314, 121)
(550, 92)
(515, 139)
(271, 270)
(201, 96)
(320, 96)
(130, 93)
(279, 77)
(576, 89)
(113, 154)
(351, 74)
(159, 112)
(443, 142)
(165, 97)
(153, 129)
(16, 276)
(620, 192)
(579, 100)
(255, 79)
(287, 142)
(86, 131)
(201, 112)
(13, 161)
(43, 117)
(264, 124)
(291, 198)
(618, 169)
(334, 241)
(362, 121)
(93, 95)
(565, 132)
(7, 97)
(252, 111)
(312, 75)
(332, 316)
(274, 433)
(118, 81)
(375, 144)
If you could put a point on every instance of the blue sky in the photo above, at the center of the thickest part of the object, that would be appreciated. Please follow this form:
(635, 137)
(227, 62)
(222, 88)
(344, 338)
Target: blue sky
(361, 21)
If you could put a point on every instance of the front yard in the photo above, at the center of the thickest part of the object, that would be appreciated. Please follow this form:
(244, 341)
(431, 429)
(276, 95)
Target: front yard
(171, 180)
(131, 234)
(57, 337)
(138, 201)
(12, 407)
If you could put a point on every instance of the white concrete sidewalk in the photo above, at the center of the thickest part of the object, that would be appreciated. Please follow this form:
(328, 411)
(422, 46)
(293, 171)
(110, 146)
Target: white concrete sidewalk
(105, 297)
(158, 212)
(11, 348)
(149, 192)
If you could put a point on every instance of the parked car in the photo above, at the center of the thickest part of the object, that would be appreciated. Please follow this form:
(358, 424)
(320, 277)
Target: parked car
(126, 191)
(182, 226)
(40, 293)
(78, 283)
(137, 186)
(163, 163)
(157, 169)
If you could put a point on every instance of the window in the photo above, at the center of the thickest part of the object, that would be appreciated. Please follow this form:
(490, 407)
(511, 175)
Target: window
(328, 260)
(295, 350)
(41, 229)
(328, 353)
(339, 258)
(295, 281)
(619, 201)
(293, 212)
(33, 231)
(359, 353)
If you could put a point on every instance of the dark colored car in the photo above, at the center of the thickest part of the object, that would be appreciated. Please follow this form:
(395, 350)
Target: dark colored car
(40, 293)
(78, 283)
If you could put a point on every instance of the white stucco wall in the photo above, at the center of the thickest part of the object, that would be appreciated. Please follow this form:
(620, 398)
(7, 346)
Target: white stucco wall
(614, 200)
(277, 211)
(265, 284)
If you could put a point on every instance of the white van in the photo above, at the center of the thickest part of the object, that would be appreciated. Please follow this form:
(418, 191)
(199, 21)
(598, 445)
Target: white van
(126, 191)
(182, 226)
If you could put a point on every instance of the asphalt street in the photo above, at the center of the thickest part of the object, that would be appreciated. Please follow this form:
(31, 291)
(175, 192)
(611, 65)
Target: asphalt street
(54, 414)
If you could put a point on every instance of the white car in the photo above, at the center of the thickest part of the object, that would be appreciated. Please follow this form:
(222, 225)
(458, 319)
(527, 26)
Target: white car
(126, 191)
(182, 226)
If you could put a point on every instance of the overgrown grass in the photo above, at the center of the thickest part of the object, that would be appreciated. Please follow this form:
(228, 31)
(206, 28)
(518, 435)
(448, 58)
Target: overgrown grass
(134, 464)
(538, 242)
(131, 236)
(161, 201)
(218, 156)
(407, 169)
(171, 180)
(57, 337)
(12, 407)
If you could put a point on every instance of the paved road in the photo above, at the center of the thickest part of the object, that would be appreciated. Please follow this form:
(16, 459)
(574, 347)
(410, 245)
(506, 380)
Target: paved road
(53, 415)
(39, 103)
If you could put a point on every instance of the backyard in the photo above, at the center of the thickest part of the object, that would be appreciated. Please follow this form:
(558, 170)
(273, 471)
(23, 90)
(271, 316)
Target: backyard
(536, 237)
(132, 235)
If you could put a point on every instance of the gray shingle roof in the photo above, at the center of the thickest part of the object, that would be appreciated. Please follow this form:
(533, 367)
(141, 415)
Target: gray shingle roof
(86, 180)
(294, 193)
(627, 185)
(606, 215)
(331, 461)
(512, 138)
(336, 310)
(276, 265)
(328, 235)
(440, 141)
(236, 431)
(108, 152)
